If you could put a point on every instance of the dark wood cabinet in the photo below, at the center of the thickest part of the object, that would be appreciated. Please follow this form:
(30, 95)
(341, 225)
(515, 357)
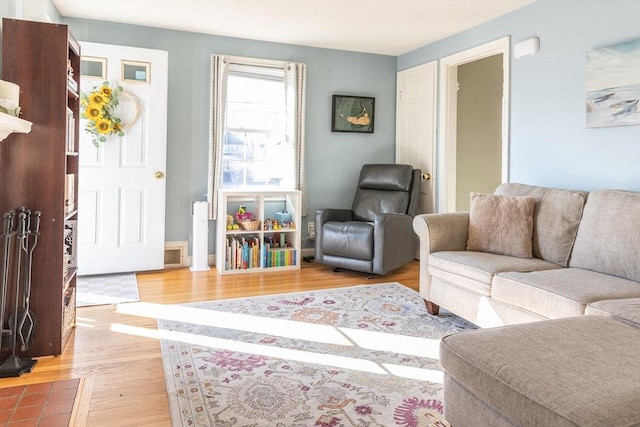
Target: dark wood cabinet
(44, 59)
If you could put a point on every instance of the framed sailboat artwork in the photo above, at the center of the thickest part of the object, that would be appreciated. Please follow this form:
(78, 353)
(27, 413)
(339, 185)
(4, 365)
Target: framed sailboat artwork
(613, 85)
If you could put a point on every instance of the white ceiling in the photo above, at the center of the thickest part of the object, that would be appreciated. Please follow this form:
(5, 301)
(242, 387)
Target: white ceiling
(389, 27)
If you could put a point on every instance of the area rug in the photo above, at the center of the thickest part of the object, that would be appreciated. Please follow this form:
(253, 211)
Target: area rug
(358, 356)
(106, 289)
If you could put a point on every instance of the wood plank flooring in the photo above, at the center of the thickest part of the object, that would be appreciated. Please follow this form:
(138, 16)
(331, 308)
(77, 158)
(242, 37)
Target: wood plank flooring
(119, 359)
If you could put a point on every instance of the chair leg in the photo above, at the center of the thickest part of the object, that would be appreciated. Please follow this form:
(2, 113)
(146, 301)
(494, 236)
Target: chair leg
(432, 308)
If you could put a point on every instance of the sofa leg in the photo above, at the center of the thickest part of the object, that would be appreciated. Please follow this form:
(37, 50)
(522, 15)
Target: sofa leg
(432, 308)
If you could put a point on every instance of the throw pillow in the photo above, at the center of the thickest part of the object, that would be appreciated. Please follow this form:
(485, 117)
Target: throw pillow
(501, 225)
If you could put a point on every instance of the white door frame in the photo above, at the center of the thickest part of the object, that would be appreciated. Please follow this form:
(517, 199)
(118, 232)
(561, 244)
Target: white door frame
(448, 116)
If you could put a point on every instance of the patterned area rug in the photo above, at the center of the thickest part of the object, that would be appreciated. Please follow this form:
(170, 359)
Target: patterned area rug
(106, 289)
(359, 356)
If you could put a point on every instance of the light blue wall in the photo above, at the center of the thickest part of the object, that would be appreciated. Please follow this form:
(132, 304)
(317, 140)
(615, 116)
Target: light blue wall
(333, 159)
(550, 144)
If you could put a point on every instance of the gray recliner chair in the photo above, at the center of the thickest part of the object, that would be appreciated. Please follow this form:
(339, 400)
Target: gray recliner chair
(376, 235)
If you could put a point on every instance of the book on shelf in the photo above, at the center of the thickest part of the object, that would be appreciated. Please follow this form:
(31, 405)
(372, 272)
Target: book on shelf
(72, 84)
(69, 193)
(71, 134)
(242, 252)
(279, 256)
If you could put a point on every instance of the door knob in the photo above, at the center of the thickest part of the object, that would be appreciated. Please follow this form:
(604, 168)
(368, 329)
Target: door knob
(159, 175)
(426, 176)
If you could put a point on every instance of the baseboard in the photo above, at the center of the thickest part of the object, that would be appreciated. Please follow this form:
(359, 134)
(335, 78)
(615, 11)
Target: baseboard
(307, 252)
(211, 261)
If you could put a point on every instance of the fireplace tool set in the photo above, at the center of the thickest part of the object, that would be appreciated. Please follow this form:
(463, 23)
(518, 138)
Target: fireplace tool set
(20, 231)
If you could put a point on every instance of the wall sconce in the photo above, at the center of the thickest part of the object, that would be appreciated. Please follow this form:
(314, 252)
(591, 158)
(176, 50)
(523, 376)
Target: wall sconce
(526, 47)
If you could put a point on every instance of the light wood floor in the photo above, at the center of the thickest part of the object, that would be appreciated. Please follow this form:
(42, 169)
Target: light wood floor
(121, 367)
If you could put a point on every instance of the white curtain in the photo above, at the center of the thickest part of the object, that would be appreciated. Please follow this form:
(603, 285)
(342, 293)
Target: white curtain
(295, 87)
(295, 79)
(218, 90)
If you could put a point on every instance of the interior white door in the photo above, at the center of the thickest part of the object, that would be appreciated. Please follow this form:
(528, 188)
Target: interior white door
(416, 126)
(121, 190)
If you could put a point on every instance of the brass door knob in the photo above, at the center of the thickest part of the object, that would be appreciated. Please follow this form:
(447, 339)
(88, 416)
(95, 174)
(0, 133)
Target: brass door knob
(426, 176)
(159, 175)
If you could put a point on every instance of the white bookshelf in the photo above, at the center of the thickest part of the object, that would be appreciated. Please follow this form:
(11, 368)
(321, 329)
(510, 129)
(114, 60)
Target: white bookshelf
(264, 249)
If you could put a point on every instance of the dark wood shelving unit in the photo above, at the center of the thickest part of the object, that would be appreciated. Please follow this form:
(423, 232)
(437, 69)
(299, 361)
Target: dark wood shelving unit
(33, 166)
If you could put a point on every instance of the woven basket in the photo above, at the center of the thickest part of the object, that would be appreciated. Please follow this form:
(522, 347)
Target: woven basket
(250, 225)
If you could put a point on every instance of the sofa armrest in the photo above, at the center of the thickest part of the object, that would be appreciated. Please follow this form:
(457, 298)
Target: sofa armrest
(439, 232)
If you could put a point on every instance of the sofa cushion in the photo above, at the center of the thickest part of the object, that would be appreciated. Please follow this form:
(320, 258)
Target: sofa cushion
(501, 225)
(608, 238)
(625, 310)
(475, 270)
(579, 371)
(560, 293)
(556, 218)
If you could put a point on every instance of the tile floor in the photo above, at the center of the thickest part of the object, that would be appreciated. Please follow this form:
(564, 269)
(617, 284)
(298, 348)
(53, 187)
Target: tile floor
(38, 405)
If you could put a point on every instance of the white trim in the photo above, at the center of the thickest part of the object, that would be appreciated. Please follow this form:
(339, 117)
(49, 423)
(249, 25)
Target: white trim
(258, 62)
(447, 116)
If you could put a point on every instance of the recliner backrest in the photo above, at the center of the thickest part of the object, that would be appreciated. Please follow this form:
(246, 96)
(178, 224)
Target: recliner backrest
(382, 188)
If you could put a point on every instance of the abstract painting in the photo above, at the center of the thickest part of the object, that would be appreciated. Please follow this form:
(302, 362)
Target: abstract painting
(613, 85)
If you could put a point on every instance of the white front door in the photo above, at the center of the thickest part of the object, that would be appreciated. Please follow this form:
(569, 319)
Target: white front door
(416, 126)
(121, 193)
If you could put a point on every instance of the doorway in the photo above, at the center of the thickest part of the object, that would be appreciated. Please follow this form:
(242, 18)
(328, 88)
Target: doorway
(122, 181)
(474, 123)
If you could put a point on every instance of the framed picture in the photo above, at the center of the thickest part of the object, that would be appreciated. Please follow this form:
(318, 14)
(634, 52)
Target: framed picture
(136, 72)
(613, 85)
(93, 67)
(352, 113)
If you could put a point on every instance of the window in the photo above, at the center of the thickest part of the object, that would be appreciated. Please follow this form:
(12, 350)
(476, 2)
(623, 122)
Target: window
(257, 127)
(256, 151)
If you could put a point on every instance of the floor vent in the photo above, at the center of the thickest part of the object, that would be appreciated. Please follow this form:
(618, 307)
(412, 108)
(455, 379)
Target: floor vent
(175, 254)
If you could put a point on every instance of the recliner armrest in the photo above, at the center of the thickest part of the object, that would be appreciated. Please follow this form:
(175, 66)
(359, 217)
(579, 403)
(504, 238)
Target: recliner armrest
(394, 241)
(441, 232)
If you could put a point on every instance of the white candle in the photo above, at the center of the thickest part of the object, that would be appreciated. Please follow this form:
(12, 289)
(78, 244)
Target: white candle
(9, 95)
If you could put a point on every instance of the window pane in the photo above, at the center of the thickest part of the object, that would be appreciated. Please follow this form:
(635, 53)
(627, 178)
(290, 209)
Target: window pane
(255, 151)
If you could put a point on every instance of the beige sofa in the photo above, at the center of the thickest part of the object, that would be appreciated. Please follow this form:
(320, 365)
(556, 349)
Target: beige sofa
(584, 248)
(569, 370)
(575, 371)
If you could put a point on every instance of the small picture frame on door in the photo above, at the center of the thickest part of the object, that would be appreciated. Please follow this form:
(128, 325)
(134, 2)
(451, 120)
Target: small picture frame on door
(135, 72)
(92, 67)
